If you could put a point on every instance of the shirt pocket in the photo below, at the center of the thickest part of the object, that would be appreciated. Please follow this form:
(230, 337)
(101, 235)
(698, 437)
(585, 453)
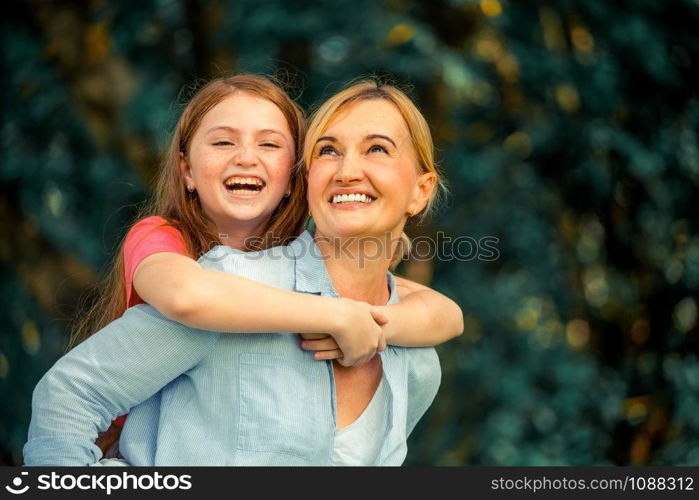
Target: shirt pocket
(280, 406)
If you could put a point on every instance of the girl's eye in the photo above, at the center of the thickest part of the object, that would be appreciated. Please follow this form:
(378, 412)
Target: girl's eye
(270, 145)
(377, 148)
(327, 150)
(223, 143)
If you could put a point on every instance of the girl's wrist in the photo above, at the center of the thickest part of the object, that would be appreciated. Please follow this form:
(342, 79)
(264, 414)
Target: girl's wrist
(389, 328)
(339, 317)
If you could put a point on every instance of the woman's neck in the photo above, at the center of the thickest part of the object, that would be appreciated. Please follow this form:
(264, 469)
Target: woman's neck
(357, 267)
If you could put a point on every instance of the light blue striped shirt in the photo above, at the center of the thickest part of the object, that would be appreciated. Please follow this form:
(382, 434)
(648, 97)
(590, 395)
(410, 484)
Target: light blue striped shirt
(198, 397)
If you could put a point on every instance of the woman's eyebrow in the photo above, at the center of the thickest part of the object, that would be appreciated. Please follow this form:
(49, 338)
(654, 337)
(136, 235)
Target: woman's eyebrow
(326, 138)
(380, 136)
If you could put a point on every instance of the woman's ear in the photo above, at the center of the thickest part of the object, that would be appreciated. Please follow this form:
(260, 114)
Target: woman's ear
(186, 173)
(425, 185)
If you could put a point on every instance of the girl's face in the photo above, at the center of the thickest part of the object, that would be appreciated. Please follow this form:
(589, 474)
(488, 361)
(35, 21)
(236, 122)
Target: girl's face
(240, 161)
(363, 179)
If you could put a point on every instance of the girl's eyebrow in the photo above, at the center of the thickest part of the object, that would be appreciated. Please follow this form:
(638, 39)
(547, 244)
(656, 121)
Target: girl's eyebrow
(271, 131)
(235, 130)
(222, 127)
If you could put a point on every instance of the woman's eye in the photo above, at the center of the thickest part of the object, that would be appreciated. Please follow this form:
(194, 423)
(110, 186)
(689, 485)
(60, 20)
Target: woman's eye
(327, 150)
(377, 148)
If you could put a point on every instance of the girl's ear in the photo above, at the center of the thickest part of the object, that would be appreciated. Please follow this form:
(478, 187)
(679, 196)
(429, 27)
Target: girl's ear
(424, 187)
(186, 173)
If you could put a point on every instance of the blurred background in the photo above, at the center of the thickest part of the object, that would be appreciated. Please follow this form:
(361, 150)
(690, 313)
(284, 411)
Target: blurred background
(568, 130)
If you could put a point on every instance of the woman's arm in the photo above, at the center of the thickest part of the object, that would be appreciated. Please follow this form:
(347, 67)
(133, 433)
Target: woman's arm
(112, 371)
(423, 317)
(182, 290)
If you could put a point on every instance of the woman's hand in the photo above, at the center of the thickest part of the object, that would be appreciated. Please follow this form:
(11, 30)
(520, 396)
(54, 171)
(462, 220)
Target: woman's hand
(323, 343)
(357, 337)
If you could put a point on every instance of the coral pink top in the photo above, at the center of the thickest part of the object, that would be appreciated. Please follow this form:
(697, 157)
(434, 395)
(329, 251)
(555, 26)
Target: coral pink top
(148, 236)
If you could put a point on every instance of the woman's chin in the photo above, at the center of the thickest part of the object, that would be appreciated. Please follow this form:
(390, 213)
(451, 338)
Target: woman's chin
(348, 230)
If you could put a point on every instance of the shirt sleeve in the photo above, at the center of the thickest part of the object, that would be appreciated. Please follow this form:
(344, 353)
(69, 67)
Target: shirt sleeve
(147, 237)
(424, 377)
(112, 371)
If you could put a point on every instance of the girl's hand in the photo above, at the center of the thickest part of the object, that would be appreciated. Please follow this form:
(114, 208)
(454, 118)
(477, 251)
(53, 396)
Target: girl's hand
(358, 333)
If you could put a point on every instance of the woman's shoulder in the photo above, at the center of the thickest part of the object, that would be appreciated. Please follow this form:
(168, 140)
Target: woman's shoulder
(272, 266)
(423, 369)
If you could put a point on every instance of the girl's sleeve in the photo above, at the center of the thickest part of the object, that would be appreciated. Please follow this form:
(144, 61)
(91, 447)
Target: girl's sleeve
(148, 236)
(112, 371)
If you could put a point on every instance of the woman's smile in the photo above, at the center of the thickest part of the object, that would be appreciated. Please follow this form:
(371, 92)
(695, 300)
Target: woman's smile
(351, 199)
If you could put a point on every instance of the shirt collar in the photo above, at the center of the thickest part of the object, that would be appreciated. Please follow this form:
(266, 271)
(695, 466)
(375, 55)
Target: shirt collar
(312, 275)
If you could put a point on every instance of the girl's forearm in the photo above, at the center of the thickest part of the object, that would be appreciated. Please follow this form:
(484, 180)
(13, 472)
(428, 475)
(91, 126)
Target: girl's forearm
(183, 291)
(423, 318)
(209, 299)
(252, 307)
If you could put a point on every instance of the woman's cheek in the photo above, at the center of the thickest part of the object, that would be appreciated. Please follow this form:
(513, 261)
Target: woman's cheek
(314, 183)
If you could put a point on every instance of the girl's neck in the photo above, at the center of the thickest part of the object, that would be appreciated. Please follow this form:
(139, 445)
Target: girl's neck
(358, 266)
(237, 234)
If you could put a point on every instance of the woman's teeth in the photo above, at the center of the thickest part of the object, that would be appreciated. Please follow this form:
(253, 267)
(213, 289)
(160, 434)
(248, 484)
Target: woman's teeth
(352, 198)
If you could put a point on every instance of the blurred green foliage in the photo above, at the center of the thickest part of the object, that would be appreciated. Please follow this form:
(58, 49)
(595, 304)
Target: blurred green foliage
(567, 129)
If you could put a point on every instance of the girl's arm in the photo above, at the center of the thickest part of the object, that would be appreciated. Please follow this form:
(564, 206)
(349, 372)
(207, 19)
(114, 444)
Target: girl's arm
(182, 290)
(423, 317)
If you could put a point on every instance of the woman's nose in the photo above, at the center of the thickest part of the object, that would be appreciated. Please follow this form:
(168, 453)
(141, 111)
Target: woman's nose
(349, 170)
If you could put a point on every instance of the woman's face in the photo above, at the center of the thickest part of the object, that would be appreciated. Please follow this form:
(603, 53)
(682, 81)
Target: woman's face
(240, 161)
(363, 179)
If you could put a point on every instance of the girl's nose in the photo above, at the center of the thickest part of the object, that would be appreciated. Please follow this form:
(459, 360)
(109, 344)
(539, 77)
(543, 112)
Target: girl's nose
(246, 156)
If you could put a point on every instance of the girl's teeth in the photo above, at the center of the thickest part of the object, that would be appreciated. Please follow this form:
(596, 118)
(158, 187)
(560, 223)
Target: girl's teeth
(244, 191)
(244, 185)
(243, 181)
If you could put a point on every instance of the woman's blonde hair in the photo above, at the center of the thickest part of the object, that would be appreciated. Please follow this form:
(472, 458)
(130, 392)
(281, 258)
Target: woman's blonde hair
(182, 209)
(418, 129)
